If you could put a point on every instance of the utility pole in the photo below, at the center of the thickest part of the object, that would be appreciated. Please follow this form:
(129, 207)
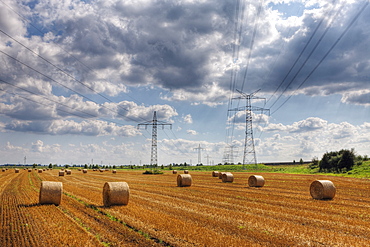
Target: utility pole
(154, 123)
(25, 158)
(249, 156)
(199, 156)
(229, 154)
(207, 159)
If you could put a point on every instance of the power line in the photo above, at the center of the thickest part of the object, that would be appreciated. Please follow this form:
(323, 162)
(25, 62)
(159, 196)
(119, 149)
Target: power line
(307, 58)
(54, 101)
(48, 77)
(251, 44)
(326, 54)
(74, 57)
(67, 74)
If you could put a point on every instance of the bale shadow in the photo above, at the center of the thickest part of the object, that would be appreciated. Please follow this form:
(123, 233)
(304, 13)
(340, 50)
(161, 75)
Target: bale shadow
(29, 205)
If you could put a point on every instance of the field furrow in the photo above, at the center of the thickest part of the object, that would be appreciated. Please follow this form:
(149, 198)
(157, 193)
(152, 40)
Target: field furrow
(208, 213)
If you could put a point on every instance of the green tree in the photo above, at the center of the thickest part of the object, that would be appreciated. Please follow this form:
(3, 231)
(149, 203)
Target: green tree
(50, 166)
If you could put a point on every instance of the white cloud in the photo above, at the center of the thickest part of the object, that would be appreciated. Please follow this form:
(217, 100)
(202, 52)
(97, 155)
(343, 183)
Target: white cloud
(192, 132)
(188, 119)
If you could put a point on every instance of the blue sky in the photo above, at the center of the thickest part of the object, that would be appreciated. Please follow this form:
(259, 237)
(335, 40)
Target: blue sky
(77, 77)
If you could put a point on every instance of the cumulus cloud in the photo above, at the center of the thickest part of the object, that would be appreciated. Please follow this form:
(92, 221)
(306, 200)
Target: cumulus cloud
(188, 119)
(187, 48)
(192, 132)
(313, 137)
(307, 125)
(70, 127)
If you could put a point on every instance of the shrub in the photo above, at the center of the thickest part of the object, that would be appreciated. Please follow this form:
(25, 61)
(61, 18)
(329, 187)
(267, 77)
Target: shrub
(337, 162)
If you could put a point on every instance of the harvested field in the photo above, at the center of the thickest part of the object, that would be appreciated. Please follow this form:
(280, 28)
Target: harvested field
(208, 213)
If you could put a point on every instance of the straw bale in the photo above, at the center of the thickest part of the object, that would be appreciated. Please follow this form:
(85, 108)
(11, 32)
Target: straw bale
(227, 177)
(101, 170)
(39, 170)
(184, 180)
(256, 181)
(29, 170)
(68, 172)
(16, 170)
(44, 169)
(3, 169)
(61, 173)
(220, 174)
(84, 170)
(115, 193)
(114, 171)
(174, 172)
(215, 174)
(50, 192)
(322, 189)
(186, 172)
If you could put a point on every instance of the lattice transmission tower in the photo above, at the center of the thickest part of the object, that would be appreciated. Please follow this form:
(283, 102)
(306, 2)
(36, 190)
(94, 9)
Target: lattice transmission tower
(249, 156)
(199, 154)
(154, 123)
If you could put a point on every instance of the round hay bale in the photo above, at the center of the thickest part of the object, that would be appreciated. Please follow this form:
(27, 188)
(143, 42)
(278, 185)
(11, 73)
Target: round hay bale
(184, 180)
(39, 170)
(322, 189)
(61, 173)
(256, 181)
(50, 192)
(220, 174)
(29, 170)
(68, 172)
(84, 170)
(3, 169)
(114, 171)
(44, 169)
(16, 170)
(101, 170)
(79, 170)
(115, 193)
(227, 177)
(186, 172)
(174, 172)
(215, 174)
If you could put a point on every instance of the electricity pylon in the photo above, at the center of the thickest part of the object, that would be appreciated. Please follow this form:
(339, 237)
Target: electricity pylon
(154, 123)
(199, 155)
(229, 154)
(249, 156)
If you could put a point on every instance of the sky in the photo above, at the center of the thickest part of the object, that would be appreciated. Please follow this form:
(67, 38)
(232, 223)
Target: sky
(78, 77)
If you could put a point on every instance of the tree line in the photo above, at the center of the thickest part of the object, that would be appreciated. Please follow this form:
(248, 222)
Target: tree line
(338, 161)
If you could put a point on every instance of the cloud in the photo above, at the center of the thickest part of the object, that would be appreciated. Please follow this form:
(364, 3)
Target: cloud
(188, 119)
(312, 137)
(37, 146)
(70, 127)
(307, 125)
(192, 132)
(361, 97)
(9, 147)
(187, 48)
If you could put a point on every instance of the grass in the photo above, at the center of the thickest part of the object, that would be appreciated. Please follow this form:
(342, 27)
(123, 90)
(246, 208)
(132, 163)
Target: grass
(361, 171)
